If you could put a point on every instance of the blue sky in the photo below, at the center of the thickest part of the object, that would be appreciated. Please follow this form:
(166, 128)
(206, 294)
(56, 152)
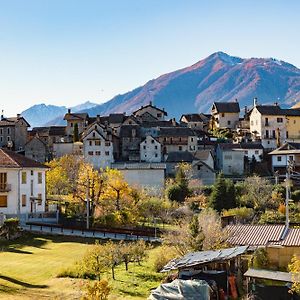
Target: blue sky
(65, 52)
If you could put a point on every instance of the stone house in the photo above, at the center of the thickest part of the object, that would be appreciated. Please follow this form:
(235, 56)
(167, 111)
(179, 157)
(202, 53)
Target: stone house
(150, 113)
(37, 150)
(225, 114)
(196, 121)
(130, 139)
(13, 133)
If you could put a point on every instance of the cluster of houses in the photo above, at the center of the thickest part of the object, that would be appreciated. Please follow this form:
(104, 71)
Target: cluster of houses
(146, 146)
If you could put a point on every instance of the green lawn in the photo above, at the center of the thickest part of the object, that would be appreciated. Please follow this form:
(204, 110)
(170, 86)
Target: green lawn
(29, 268)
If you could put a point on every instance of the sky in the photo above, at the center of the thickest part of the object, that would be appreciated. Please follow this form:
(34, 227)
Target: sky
(65, 52)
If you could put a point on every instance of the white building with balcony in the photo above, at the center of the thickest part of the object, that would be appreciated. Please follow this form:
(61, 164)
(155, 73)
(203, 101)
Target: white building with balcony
(22, 184)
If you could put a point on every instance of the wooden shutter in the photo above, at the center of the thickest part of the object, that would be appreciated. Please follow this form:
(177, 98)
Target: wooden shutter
(3, 201)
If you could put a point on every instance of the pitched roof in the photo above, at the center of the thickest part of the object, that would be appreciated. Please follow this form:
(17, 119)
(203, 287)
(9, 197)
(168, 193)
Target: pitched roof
(202, 154)
(10, 159)
(180, 156)
(276, 110)
(255, 235)
(72, 116)
(116, 118)
(12, 121)
(149, 124)
(153, 106)
(229, 107)
(287, 148)
(176, 131)
(195, 117)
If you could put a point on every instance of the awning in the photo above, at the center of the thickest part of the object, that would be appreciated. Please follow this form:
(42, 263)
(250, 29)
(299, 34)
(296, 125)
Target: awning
(268, 274)
(204, 257)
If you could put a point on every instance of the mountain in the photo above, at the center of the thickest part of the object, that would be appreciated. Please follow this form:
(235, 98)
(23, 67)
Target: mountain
(219, 77)
(41, 114)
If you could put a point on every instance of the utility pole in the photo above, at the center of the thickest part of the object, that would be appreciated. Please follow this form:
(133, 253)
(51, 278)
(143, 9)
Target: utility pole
(88, 205)
(289, 168)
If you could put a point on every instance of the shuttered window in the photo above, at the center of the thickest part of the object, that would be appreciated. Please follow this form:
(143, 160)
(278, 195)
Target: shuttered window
(23, 200)
(3, 201)
(3, 180)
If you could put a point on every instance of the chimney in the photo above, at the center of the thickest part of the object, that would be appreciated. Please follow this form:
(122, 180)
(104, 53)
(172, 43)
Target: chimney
(2, 116)
(236, 100)
(98, 118)
(150, 103)
(69, 110)
(276, 103)
(254, 101)
(174, 122)
(18, 116)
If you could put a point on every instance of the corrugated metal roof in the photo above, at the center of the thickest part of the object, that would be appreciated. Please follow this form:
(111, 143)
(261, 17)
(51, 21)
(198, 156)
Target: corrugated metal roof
(254, 235)
(204, 257)
(292, 238)
(268, 274)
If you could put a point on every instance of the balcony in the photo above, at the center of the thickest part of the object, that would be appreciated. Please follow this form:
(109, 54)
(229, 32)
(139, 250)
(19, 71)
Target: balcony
(4, 187)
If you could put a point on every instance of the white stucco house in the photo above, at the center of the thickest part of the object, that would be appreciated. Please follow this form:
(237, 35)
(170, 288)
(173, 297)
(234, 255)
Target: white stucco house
(22, 184)
(225, 114)
(98, 146)
(150, 150)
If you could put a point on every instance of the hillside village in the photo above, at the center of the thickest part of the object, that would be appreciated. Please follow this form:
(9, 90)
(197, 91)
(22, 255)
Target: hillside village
(226, 183)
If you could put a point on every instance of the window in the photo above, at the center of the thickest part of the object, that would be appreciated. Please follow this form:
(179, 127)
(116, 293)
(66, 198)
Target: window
(94, 134)
(144, 147)
(3, 201)
(228, 122)
(180, 148)
(279, 120)
(291, 158)
(192, 139)
(278, 158)
(152, 141)
(266, 121)
(223, 115)
(273, 134)
(107, 144)
(287, 134)
(8, 130)
(97, 143)
(8, 138)
(31, 172)
(98, 153)
(71, 124)
(24, 200)
(40, 177)
(3, 181)
(156, 155)
(40, 198)
(107, 153)
(90, 153)
(91, 143)
(1, 139)
(294, 121)
(267, 134)
(159, 115)
(31, 187)
(24, 178)
(256, 152)
(156, 147)
(199, 167)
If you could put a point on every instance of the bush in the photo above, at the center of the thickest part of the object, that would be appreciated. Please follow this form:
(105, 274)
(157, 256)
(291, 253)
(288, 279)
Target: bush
(162, 258)
(10, 228)
(177, 193)
(97, 290)
(260, 259)
(296, 195)
(242, 214)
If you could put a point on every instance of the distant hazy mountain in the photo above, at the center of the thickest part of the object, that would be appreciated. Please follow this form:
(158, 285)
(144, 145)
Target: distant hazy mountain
(219, 77)
(41, 114)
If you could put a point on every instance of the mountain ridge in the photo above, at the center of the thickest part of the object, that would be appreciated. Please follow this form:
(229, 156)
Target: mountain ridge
(219, 77)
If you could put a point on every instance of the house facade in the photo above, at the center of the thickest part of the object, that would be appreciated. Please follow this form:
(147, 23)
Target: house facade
(150, 150)
(150, 109)
(13, 133)
(22, 184)
(225, 114)
(98, 146)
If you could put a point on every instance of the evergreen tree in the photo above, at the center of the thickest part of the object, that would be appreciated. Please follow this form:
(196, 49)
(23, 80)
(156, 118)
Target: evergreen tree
(223, 194)
(75, 133)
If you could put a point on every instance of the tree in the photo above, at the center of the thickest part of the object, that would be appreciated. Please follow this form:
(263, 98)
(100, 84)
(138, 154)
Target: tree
(93, 261)
(257, 193)
(294, 268)
(196, 234)
(223, 194)
(75, 133)
(117, 188)
(215, 236)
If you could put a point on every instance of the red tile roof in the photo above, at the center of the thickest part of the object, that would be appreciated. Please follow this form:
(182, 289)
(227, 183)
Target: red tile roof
(10, 159)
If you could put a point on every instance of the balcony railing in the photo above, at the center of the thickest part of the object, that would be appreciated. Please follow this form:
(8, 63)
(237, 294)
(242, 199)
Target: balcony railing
(4, 187)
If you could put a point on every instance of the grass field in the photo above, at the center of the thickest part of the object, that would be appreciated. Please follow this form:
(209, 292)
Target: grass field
(30, 265)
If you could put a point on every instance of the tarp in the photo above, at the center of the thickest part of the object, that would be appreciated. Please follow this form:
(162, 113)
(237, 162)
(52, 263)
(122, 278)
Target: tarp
(182, 289)
(204, 257)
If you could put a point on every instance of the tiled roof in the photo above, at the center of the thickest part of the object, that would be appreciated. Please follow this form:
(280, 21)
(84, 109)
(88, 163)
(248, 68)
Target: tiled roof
(261, 235)
(277, 110)
(72, 116)
(12, 121)
(180, 156)
(150, 105)
(202, 154)
(126, 131)
(57, 130)
(149, 124)
(287, 148)
(116, 118)
(229, 107)
(10, 159)
(176, 131)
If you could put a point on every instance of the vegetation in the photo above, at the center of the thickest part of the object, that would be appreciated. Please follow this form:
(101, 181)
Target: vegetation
(32, 267)
(10, 228)
(294, 268)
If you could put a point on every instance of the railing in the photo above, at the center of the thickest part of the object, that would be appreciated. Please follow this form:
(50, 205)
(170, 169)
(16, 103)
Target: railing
(4, 187)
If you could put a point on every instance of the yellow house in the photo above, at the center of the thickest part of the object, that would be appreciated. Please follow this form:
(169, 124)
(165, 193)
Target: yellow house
(293, 124)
